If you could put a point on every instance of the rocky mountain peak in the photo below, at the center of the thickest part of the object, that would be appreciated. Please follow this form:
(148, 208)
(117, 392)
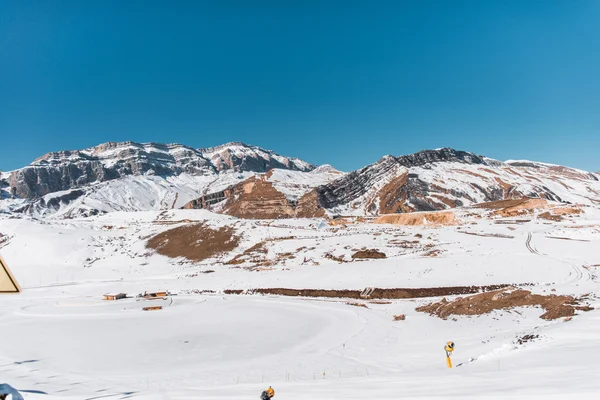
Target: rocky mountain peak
(326, 168)
(64, 170)
(239, 156)
(439, 155)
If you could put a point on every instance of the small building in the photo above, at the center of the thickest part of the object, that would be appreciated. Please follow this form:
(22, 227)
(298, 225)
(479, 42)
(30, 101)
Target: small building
(153, 308)
(115, 296)
(155, 295)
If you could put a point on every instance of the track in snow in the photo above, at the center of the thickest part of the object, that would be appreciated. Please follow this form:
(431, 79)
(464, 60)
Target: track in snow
(529, 246)
(578, 271)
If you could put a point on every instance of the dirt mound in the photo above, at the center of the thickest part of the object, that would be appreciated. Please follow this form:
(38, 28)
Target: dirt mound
(483, 303)
(513, 207)
(419, 218)
(558, 213)
(195, 242)
(369, 253)
(523, 208)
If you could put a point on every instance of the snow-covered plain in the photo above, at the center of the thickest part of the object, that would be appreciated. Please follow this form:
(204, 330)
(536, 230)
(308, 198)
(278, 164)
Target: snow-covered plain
(62, 341)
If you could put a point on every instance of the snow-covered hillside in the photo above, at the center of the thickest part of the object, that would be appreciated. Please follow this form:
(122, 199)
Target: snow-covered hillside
(139, 177)
(67, 170)
(446, 178)
(62, 341)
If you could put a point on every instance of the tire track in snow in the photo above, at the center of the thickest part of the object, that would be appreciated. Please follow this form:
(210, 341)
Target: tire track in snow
(529, 246)
(578, 270)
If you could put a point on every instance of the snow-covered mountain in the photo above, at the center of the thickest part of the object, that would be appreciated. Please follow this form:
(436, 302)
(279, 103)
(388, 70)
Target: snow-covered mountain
(130, 176)
(66, 170)
(250, 182)
(424, 181)
(446, 178)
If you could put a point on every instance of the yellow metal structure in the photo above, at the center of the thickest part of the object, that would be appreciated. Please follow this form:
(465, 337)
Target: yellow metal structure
(449, 349)
(449, 361)
(8, 283)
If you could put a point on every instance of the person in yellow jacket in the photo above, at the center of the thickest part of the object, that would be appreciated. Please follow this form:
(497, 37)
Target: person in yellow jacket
(267, 394)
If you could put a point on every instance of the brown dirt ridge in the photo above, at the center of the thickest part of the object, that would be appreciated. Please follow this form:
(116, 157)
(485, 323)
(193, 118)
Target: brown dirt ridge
(556, 306)
(435, 218)
(396, 293)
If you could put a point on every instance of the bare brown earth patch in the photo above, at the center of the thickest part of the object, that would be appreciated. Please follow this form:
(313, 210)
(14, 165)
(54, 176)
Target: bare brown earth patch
(559, 213)
(398, 293)
(257, 198)
(556, 306)
(308, 206)
(567, 211)
(500, 204)
(400, 317)
(514, 207)
(550, 217)
(392, 196)
(449, 202)
(195, 242)
(255, 254)
(419, 218)
(369, 253)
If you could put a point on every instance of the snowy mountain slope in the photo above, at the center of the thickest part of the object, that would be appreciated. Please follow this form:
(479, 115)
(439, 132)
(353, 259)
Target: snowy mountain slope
(236, 178)
(362, 192)
(275, 194)
(295, 184)
(241, 157)
(130, 193)
(131, 176)
(67, 170)
(446, 178)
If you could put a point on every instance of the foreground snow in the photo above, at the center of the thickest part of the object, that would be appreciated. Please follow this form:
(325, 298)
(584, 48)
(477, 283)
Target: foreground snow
(60, 338)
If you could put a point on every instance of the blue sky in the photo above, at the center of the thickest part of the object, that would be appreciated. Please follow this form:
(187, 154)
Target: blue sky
(339, 82)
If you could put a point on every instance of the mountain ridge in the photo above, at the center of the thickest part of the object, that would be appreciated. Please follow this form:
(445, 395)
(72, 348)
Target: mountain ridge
(250, 182)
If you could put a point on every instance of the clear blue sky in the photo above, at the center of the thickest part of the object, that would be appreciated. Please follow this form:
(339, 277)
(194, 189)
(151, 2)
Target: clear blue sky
(338, 82)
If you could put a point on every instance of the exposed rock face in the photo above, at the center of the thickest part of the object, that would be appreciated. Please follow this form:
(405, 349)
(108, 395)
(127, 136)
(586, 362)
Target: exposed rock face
(66, 170)
(253, 198)
(360, 187)
(441, 155)
(426, 181)
(440, 179)
(42, 206)
(308, 206)
(256, 198)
